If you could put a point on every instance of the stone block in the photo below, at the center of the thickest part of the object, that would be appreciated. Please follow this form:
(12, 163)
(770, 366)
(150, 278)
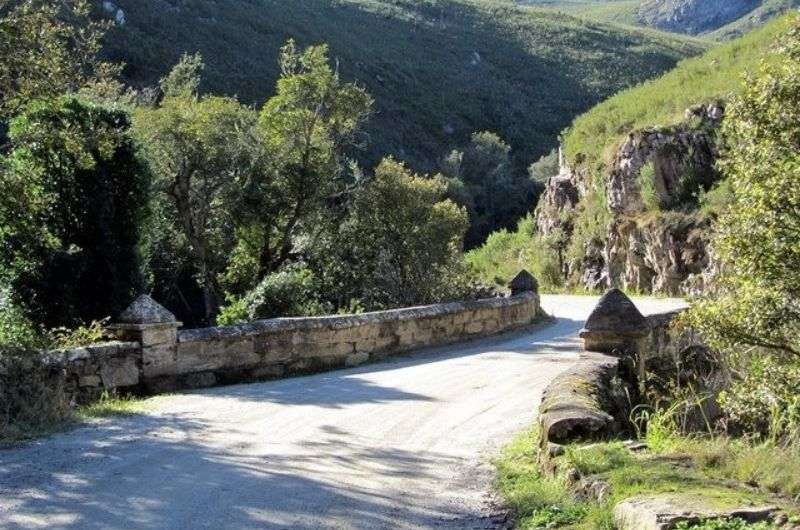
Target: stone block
(665, 511)
(199, 380)
(376, 344)
(356, 359)
(159, 361)
(474, 327)
(159, 335)
(119, 372)
(89, 381)
(268, 372)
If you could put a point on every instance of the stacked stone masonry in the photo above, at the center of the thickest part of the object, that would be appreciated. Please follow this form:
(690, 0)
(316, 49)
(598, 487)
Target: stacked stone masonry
(158, 357)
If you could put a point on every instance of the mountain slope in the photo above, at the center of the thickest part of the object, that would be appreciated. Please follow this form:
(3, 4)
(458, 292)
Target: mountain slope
(715, 19)
(693, 16)
(638, 186)
(438, 69)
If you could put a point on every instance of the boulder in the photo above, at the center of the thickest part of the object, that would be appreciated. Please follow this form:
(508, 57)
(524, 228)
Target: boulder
(665, 511)
(615, 325)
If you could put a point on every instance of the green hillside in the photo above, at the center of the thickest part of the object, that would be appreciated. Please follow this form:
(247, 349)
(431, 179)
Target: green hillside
(594, 137)
(438, 69)
(663, 101)
(768, 9)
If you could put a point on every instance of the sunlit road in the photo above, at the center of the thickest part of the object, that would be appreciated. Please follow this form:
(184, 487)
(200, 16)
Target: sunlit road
(399, 444)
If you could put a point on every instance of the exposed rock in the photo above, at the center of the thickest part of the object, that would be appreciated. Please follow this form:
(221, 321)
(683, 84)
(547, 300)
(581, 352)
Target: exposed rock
(615, 324)
(554, 450)
(651, 244)
(663, 512)
(560, 197)
(576, 405)
(693, 16)
(676, 154)
(145, 310)
(657, 255)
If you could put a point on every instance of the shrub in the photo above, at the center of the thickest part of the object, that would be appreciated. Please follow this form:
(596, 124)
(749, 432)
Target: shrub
(753, 316)
(292, 291)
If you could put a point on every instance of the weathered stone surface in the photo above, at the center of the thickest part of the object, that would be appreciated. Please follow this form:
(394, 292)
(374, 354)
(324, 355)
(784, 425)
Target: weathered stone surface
(523, 282)
(119, 372)
(614, 325)
(145, 310)
(576, 405)
(664, 512)
(165, 359)
(356, 359)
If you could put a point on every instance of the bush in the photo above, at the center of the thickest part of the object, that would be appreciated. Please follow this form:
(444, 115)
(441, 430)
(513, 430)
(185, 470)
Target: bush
(753, 317)
(505, 253)
(17, 330)
(290, 292)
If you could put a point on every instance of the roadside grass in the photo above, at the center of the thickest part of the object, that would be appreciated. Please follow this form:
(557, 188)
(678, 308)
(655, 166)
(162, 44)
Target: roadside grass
(724, 473)
(538, 501)
(110, 406)
(106, 407)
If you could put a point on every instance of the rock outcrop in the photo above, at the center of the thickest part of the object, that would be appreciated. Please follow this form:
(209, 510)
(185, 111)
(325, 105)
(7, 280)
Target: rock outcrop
(693, 16)
(664, 512)
(653, 241)
(559, 199)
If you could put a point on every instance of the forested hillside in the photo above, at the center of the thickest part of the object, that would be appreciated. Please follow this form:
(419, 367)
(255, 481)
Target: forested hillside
(439, 70)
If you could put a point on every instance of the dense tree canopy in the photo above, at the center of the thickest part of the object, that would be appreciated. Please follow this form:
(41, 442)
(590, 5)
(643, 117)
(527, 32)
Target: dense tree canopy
(71, 212)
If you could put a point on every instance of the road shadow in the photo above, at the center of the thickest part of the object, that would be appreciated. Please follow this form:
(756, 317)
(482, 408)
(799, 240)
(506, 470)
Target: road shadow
(159, 472)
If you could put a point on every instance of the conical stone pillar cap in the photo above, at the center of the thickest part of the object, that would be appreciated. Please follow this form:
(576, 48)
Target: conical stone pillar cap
(614, 324)
(145, 310)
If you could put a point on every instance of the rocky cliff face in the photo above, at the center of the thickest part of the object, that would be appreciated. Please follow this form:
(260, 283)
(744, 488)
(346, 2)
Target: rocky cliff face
(654, 241)
(693, 16)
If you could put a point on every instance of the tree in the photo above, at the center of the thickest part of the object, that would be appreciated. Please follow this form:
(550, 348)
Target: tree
(756, 306)
(306, 127)
(48, 48)
(482, 179)
(202, 150)
(400, 244)
(73, 201)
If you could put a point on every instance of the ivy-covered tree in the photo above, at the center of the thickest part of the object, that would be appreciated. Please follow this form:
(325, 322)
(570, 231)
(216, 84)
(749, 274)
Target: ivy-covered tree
(71, 211)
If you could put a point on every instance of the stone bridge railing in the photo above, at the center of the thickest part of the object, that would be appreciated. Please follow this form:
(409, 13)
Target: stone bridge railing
(154, 355)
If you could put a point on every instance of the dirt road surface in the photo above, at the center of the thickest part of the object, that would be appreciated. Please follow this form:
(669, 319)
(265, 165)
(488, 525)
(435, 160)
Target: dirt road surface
(405, 443)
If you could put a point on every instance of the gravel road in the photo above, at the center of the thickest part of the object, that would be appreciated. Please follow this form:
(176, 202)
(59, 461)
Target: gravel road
(404, 443)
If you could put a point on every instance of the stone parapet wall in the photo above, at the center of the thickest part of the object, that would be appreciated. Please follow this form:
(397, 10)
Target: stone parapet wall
(90, 370)
(279, 347)
(158, 357)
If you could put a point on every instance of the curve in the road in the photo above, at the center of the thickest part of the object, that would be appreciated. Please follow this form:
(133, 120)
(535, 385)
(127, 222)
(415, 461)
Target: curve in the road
(398, 444)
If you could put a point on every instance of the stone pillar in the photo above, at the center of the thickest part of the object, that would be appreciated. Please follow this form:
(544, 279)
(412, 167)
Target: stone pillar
(524, 282)
(156, 329)
(615, 326)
